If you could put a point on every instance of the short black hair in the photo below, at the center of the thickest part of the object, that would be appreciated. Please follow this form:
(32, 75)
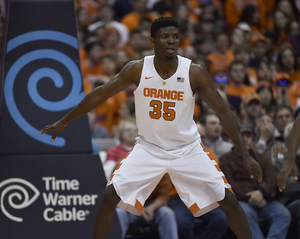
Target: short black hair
(162, 22)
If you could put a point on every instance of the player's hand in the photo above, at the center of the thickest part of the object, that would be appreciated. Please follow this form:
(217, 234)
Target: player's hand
(289, 167)
(250, 164)
(57, 127)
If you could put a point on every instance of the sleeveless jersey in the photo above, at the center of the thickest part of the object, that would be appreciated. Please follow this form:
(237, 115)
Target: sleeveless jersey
(165, 108)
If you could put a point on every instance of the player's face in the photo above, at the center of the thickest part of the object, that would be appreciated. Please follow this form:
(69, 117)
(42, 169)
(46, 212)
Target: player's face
(166, 42)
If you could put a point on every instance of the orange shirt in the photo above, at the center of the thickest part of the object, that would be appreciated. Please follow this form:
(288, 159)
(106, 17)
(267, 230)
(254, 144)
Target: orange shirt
(220, 62)
(132, 20)
(107, 113)
(244, 90)
(233, 10)
(295, 76)
(294, 94)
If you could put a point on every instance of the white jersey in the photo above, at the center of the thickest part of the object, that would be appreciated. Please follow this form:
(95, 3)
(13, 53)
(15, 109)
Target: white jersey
(165, 108)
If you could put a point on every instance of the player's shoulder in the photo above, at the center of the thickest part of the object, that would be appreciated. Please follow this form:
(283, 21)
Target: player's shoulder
(196, 68)
(134, 65)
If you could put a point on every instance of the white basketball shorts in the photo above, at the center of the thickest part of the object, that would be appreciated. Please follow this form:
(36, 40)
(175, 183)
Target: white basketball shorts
(198, 180)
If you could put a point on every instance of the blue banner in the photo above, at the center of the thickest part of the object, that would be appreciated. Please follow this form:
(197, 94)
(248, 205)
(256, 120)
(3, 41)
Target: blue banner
(42, 79)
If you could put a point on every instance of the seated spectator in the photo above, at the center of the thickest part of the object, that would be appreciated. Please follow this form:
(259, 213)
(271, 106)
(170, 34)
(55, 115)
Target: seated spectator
(203, 44)
(264, 134)
(282, 84)
(255, 198)
(135, 44)
(236, 88)
(155, 212)
(287, 62)
(251, 16)
(97, 130)
(91, 65)
(213, 138)
(127, 135)
(185, 219)
(133, 19)
(283, 115)
(243, 53)
(221, 80)
(259, 50)
(233, 10)
(253, 107)
(106, 20)
(265, 91)
(222, 57)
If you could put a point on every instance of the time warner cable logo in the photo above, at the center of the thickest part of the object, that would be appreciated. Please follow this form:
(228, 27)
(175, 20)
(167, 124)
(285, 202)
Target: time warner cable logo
(16, 186)
(58, 207)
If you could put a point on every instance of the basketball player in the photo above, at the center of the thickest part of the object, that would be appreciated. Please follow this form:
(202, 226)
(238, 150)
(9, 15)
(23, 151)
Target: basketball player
(168, 140)
(289, 166)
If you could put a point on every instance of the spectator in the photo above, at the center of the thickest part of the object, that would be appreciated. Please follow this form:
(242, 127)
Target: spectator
(265, 92)
(213, 138)
(106, 20)
(236, 88)
(91, 65)
(133, 19)
(243, 53)
(251, 16)
(265, 73)
(96, 130)
(127, 135)
(237, 39)
(255, 198)
(282, 83)
(264, 134)
(155, 212)
(259, 50)
(122, 57)
(288, 63)
(107, 113)
(233, 10)
(282, 116)
(163, 6)
(135, 44)
(221, 80)
(247, 32)
(222, 57)
(203, 44)
(111, 42)
(253, 107)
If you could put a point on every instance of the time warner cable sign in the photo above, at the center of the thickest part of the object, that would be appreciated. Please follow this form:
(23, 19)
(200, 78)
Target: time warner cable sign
(58, 207)
(50, 197)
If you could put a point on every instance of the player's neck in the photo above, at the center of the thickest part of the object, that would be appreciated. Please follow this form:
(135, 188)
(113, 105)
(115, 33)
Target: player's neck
(165, 67)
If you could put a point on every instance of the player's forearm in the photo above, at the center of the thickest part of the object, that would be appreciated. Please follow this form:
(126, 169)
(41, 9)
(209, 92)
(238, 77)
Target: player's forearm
(231, 127)
(88, 103)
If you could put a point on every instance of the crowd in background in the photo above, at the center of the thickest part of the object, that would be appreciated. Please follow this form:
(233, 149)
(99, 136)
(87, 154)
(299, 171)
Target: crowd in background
(251, 48)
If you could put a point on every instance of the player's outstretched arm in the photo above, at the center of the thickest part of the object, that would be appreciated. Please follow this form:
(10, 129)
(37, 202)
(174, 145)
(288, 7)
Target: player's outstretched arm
(201, 81)
(289, 166)
(129, 74)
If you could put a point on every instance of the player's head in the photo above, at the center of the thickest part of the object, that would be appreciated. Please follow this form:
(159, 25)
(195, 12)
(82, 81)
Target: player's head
(162, 22)
(165, 37)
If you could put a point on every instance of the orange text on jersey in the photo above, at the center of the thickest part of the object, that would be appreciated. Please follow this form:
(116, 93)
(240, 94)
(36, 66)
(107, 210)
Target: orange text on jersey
(163, 94)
